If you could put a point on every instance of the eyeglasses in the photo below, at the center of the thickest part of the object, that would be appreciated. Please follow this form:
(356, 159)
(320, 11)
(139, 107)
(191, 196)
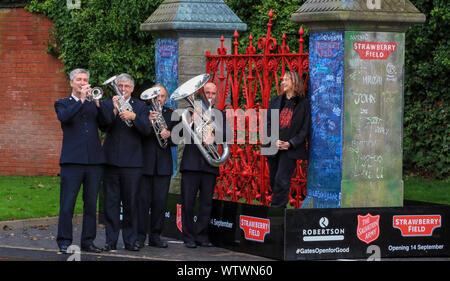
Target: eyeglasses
(125, 86)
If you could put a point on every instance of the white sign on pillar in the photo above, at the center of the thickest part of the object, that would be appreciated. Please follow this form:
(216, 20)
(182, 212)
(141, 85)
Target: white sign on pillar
(373, 4)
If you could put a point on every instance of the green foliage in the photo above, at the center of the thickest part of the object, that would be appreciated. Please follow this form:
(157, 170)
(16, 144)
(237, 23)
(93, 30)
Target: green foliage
(103, 36)
(255, 13)
(427, 64)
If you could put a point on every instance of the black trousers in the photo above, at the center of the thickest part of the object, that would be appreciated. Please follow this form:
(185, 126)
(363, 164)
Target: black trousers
(121, 185)
(72, 176)
(281, 169)
(153, 192)
(191, 184)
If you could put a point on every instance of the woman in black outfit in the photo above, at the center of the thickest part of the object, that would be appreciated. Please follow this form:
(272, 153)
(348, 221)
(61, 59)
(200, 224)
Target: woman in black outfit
(294, 110)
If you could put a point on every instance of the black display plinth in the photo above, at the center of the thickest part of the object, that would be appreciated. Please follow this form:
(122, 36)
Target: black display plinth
(308, 234)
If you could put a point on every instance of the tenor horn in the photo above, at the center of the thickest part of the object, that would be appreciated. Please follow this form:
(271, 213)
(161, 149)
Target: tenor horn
(159, 123)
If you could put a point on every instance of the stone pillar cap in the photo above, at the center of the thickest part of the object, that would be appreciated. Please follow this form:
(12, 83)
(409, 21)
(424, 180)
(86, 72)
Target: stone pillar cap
(193, 17)
(380, 15)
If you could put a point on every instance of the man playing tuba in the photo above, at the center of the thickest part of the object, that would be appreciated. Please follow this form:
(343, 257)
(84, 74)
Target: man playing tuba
(198, 176)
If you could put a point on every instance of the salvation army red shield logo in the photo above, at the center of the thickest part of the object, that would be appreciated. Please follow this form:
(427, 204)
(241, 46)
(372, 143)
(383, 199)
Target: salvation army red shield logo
(368, 228)
(179, 218)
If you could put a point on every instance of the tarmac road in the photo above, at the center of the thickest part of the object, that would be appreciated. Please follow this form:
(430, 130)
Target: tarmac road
(35, 240)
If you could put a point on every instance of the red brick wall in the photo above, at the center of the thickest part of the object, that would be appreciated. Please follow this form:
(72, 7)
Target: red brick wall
(30, 82)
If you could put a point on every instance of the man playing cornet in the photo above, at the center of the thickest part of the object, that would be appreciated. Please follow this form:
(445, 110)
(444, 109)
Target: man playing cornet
(81, 160)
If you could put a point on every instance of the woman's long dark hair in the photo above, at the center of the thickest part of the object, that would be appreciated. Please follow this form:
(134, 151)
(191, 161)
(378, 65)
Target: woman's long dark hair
(297, 83)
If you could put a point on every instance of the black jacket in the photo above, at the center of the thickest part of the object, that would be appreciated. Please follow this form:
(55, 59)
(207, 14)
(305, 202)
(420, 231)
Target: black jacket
(299, 129)
(123, 144)
(80, 123)
(158, 161)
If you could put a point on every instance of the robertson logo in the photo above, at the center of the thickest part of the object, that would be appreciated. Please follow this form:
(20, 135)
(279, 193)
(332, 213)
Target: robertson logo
(254, 228)
(368, 228)
(179, 218)
(374, 50)
(420, 225)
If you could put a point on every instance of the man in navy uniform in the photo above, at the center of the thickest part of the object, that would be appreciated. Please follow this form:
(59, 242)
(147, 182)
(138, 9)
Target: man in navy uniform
(123, 152)
(198, 176)
(155, 182)
(81, 161)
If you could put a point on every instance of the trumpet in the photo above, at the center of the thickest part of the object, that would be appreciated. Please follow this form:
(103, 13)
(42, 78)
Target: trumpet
(159, 123)
(204, 125)
(123, 104)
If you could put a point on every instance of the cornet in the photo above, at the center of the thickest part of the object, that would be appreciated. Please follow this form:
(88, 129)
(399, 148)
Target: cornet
(95, 94)
(159, 123)
(204, 124)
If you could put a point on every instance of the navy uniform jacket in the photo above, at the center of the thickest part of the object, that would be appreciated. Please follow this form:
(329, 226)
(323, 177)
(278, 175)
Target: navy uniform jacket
(80, 123)
(158, 161)
(299, 129)
(193, 159)
(123, 145)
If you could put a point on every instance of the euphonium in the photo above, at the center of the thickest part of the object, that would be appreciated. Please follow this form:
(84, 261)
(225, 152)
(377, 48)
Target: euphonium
(204, 125)
(123, 104)
(159, 123)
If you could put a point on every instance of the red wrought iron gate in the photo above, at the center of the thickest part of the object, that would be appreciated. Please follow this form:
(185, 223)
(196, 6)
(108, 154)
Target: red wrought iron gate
(250, 78)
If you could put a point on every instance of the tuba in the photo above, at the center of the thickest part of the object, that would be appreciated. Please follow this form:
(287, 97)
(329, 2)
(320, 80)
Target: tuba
(203, 121)
(123, 105)
(159, 123)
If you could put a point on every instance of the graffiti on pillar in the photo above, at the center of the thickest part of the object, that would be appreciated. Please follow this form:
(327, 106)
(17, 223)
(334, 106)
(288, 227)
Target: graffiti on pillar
(372, 149)
(166, 74)
(166, 62)
(326, 89)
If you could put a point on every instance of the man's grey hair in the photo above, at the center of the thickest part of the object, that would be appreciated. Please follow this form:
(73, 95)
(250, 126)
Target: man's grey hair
(76, 71)
(124, 77)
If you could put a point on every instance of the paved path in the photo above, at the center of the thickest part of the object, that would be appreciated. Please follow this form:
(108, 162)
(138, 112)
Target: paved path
(36, 240)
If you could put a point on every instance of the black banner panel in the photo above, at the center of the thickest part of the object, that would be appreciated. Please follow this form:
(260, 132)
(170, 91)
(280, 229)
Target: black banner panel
(311, 234)
(367, 233)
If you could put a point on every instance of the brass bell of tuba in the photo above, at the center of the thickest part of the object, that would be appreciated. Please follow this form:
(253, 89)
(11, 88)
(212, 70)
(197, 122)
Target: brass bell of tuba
(159, 123)
(203, 121)
(123, 104)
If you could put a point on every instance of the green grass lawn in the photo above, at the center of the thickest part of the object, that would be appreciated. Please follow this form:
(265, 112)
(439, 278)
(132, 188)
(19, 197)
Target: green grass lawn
(435, 191)
(36, 197)
(31, 197)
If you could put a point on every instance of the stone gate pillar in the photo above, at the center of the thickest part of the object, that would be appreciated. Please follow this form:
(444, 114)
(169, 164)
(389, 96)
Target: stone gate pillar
(356, 64)
(184, 31)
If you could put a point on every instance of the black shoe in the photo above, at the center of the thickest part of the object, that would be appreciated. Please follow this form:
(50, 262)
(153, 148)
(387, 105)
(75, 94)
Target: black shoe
(133, 247)
(63, 249)
(204, 244)
(109, 248)
(190, 244)
(139, 244)
(158, 244)
(91, 249)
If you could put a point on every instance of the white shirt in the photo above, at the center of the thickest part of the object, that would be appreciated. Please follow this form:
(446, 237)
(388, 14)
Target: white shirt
(75, 98)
